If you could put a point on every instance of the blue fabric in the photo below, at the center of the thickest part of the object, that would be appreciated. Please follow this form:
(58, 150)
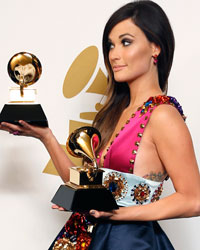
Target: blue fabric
(129, 182)
(129, 236)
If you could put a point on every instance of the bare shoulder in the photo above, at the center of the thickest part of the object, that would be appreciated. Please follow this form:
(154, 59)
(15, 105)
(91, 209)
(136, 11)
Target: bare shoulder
(166, 112)
(166, 117)
(168, 130)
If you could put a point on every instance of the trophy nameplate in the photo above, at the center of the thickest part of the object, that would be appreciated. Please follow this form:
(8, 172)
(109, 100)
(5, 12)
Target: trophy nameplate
(84, 191)
(24, 69)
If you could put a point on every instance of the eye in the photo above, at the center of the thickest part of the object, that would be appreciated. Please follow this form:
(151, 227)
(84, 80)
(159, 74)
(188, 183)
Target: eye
(110, 46)
(126, 42)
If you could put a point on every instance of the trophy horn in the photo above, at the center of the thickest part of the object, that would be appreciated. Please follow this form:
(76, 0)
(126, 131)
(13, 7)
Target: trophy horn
(83, 142)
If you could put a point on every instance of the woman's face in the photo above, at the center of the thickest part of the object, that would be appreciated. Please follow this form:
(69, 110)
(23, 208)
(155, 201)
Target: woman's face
(130, 53)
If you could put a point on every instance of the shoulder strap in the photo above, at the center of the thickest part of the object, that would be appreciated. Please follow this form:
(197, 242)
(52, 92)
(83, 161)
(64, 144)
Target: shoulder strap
(161, 99)
(143, 117)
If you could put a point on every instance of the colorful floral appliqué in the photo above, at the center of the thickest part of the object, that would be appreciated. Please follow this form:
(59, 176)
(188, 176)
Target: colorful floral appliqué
(64, 244)
(157, 193)
(161, 99)
(117, 184)
(76, 234)
(140, 193)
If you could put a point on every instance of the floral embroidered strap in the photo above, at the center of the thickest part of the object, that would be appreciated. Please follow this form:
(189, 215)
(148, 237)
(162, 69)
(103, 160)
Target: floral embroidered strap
(161, 99)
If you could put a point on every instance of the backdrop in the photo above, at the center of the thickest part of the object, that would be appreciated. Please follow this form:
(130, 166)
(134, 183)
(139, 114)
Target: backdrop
(66, 37)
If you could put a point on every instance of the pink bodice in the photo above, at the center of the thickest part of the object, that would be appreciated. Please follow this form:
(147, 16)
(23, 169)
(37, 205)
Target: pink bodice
(122, 152)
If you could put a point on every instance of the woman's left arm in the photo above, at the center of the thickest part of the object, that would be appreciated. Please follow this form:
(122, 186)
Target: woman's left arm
(175, 149)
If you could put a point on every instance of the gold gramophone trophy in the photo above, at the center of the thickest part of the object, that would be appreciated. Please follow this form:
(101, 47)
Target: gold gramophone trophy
(24, 69)
(84, 191)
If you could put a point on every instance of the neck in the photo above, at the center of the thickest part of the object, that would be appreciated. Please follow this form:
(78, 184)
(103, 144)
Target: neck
(143, 88)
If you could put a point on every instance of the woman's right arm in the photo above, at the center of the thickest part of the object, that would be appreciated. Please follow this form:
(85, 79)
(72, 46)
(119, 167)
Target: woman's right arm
(45, 135)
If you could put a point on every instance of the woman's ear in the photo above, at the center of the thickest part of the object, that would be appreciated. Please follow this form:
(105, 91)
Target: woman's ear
(155, 49)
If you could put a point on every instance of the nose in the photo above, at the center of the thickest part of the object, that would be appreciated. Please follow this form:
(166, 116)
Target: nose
(114, 54)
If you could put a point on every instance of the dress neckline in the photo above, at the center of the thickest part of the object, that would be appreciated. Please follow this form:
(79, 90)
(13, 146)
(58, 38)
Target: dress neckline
(107, 148)
(150, 103)
(116, 135)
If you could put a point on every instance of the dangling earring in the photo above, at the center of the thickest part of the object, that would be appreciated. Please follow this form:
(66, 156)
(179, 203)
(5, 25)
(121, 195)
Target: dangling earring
(155, 59)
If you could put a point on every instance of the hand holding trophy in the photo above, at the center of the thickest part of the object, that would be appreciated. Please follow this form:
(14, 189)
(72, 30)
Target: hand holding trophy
(24, 69)
(84, 191)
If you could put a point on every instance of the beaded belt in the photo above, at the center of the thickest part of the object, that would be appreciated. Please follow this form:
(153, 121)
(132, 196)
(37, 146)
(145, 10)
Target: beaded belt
(129, 189)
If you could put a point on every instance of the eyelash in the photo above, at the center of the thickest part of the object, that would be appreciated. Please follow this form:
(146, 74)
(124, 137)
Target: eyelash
(125, 42)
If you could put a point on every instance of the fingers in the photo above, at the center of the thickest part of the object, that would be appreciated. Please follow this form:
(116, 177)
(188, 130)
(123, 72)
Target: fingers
(95, 213)
(25, 124)
(23, 129)
(54, 206)
(4, 128)
(61, 209)
(101, 214)
(15, 129)
(9, 127)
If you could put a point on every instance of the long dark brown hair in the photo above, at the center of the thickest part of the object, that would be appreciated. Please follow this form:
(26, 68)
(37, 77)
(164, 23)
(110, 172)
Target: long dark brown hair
(152, 20)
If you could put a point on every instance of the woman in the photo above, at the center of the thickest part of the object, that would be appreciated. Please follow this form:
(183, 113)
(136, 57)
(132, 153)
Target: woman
(138, 47)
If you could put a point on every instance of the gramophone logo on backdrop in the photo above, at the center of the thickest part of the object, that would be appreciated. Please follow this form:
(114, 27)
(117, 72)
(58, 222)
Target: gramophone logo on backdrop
(77, 77)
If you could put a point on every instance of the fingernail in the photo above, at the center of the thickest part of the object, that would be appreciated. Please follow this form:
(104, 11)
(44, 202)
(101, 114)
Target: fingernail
(92, 212)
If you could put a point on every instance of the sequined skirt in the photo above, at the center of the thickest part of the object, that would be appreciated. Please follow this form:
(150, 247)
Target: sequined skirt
(82, 232)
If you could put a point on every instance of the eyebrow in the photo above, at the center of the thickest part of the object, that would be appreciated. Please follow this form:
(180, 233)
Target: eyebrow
(126, 34)
(122, 35)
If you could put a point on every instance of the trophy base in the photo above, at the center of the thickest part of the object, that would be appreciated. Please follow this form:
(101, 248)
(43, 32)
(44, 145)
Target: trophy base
(31, 113)
(80, 199)
(79, 177)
